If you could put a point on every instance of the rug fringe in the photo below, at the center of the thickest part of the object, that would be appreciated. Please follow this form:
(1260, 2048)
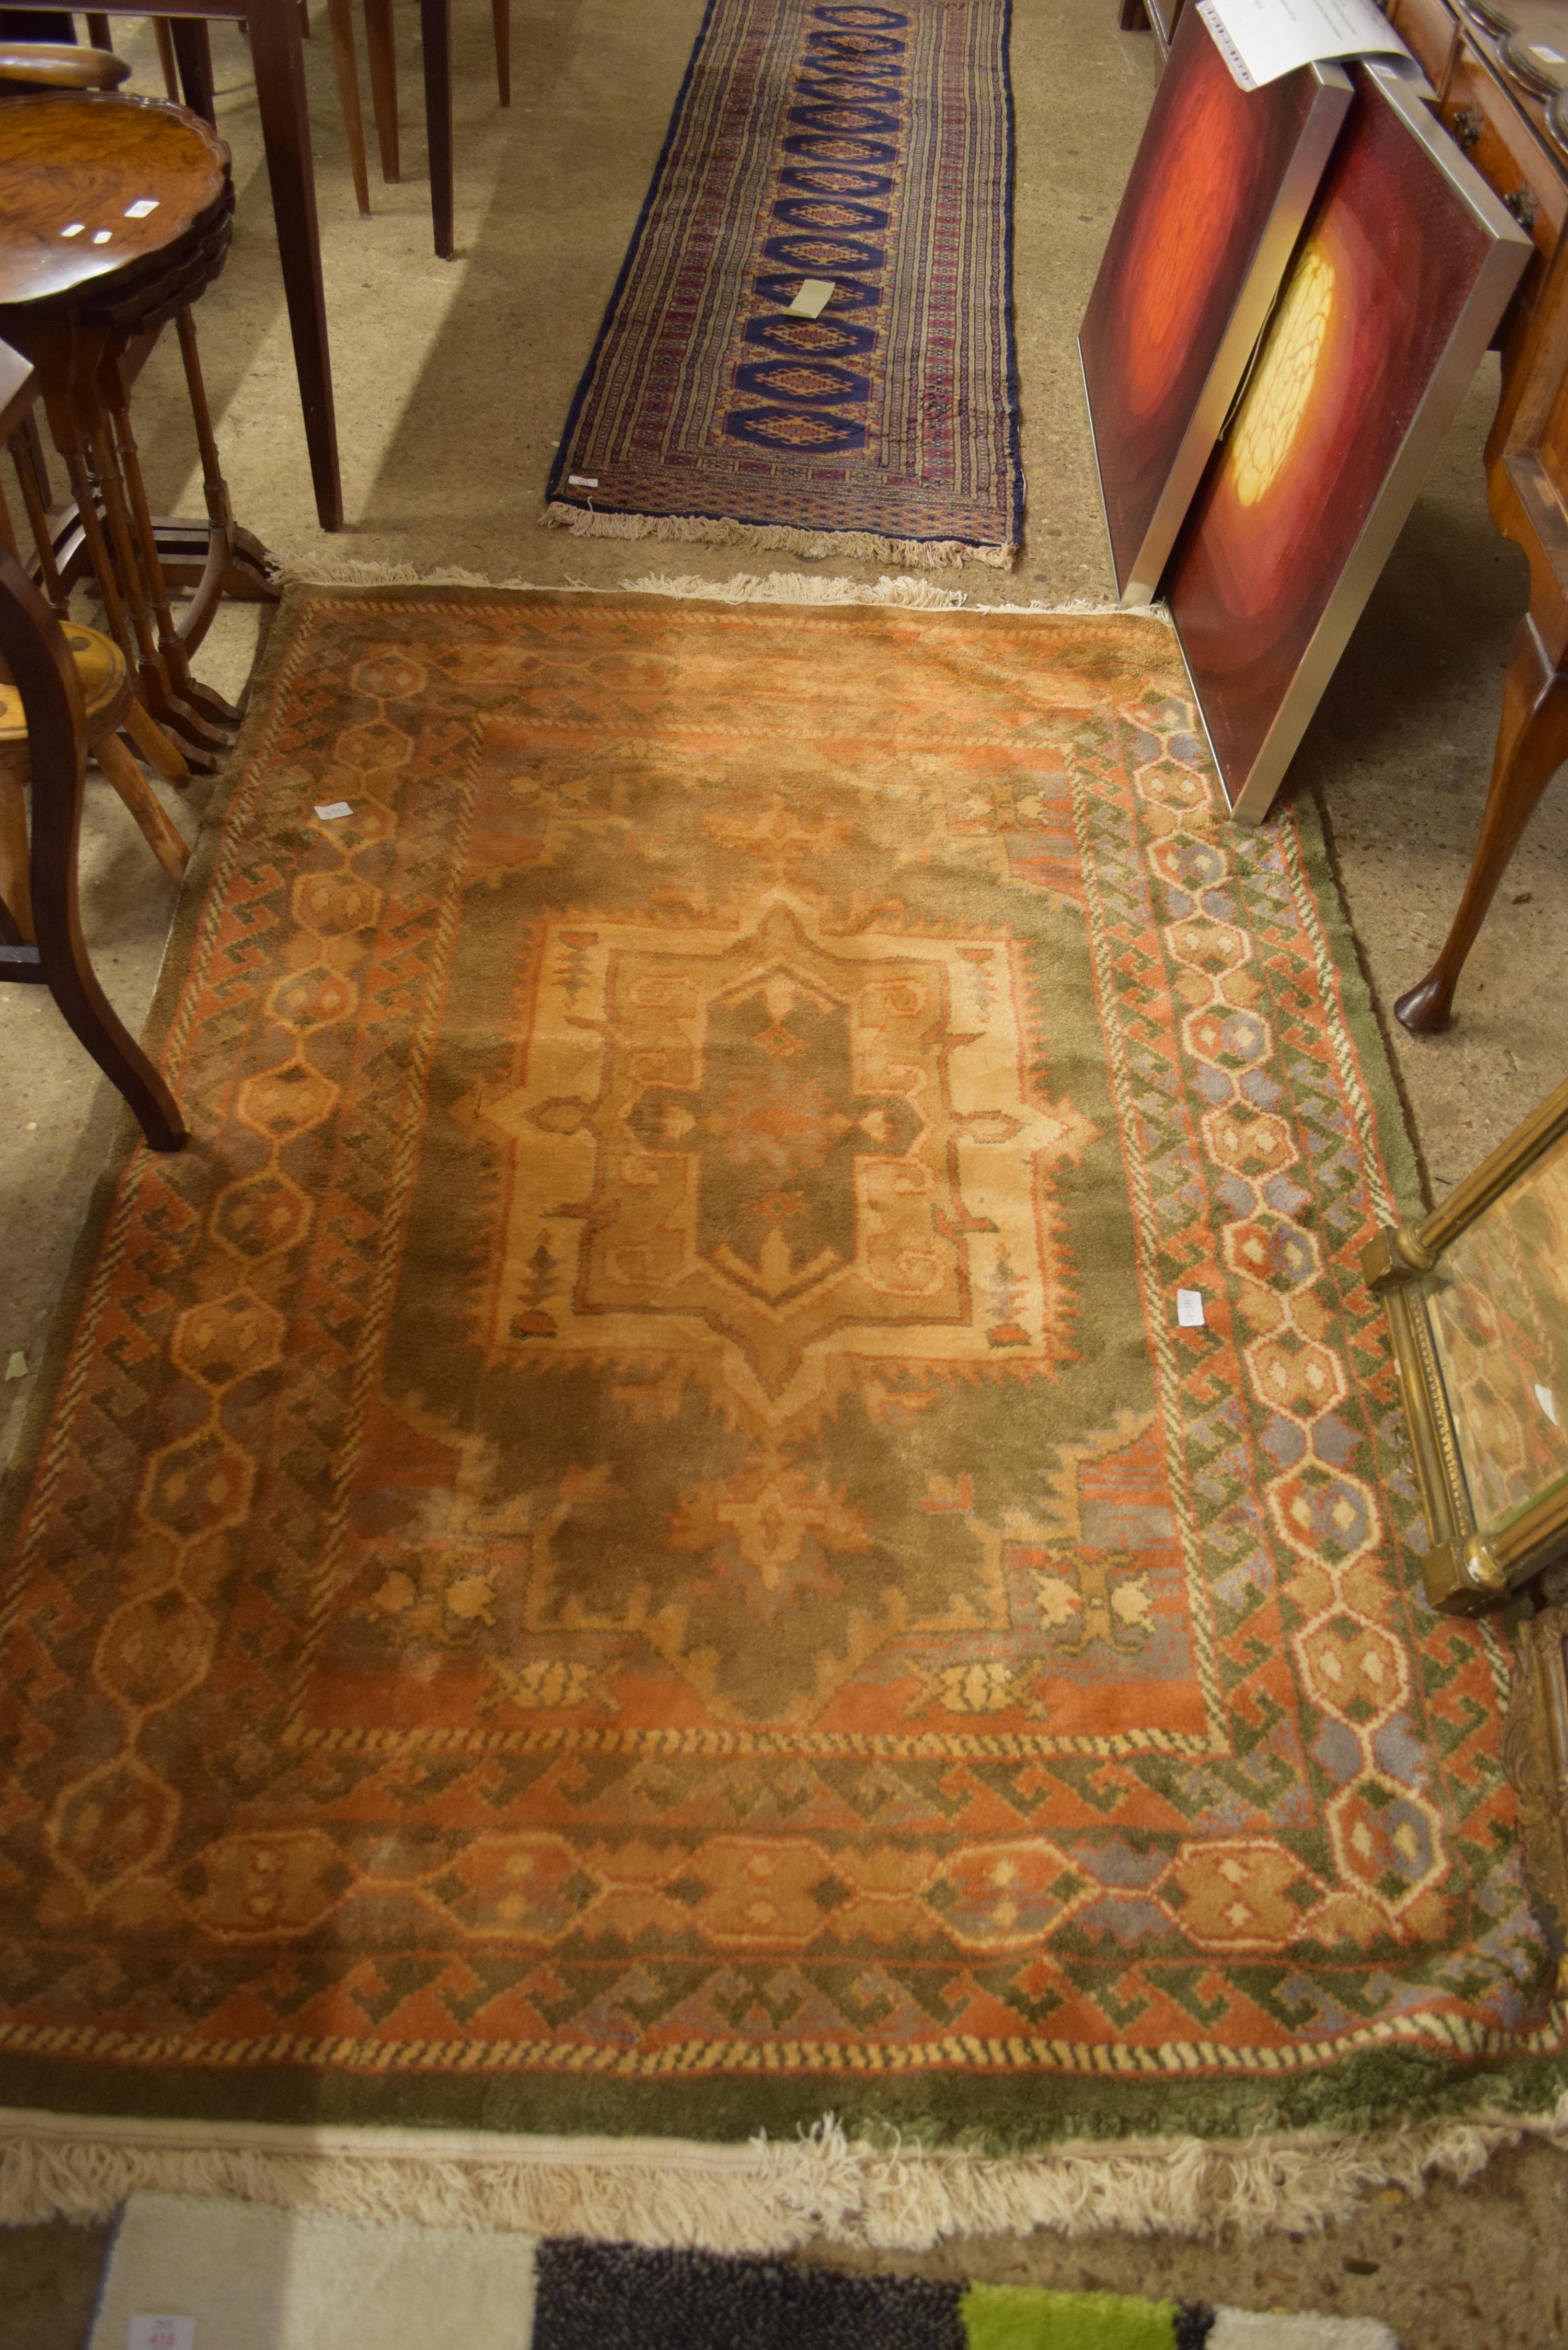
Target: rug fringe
(848, 546)
(740, 588)
(767, 2196)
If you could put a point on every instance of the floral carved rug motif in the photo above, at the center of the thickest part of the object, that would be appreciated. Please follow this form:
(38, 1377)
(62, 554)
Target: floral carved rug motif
(629, 1537)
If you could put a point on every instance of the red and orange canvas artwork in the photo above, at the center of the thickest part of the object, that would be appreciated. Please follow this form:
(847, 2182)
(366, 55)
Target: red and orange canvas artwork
(1201, 242)
(1406, 264)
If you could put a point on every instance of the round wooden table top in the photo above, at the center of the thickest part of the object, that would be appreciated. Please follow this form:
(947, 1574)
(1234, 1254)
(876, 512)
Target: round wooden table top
(1536, 49)
(90, 183)
(101, 673)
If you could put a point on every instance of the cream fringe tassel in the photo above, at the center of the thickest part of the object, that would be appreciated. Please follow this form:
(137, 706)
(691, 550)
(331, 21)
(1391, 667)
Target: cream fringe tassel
(767, 2196)
(742, 588)
(848, 546)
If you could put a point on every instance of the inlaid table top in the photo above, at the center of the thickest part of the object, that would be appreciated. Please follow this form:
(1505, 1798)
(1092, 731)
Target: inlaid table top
(90, 183)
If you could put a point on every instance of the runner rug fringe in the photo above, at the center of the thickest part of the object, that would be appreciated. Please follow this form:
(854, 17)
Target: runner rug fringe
(867, 149)
(822, 2186)
(319, 570)
(843, 547)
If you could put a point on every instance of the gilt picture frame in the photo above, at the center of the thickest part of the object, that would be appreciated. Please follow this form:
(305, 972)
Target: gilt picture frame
(1406, 265)
(1477, 1298)
(1218, 192)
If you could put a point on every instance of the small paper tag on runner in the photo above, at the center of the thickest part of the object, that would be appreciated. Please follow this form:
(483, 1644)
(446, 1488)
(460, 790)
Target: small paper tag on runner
(162, 2333)
(1190, 1308)
(1547, 1402)
(814, 298)
(330, 810)
(582, 481)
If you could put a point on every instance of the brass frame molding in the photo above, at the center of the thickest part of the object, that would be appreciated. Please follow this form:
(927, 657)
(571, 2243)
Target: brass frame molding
(1470, 1566)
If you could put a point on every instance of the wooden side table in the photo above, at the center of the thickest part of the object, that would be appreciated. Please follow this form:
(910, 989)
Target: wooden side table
(278, 64)
(117, 215)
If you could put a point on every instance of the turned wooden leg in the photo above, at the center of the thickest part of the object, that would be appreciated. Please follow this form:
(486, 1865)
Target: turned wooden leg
(381, 42)
(35, 491)
(1532, 744)
(159, 750)
(162, 834)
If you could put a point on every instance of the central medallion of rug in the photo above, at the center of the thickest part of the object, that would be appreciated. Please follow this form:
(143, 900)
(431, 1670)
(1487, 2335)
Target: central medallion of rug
(630, 1536)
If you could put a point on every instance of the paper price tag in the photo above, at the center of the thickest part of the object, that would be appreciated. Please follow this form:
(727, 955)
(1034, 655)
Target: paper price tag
(162, 2333)
(1262, 39)
(582, 481)
(1190, 1308)
(1547, 1402)
(814, 298)
(331, 810)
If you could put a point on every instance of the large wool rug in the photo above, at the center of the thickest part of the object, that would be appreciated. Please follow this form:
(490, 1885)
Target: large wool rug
(864, 148)
(630, 1540)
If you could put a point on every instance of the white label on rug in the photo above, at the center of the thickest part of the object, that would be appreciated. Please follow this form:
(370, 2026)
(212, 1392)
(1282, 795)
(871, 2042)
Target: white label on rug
(333, 809)
(814, 298)
(16, 1368)
(162, 2333)
(1190, 1308)
(582, 481)
(1547, 1402)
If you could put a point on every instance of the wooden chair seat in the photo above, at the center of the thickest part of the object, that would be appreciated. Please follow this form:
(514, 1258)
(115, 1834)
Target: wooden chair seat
(109, 703)
(46, 729)
(102, 674)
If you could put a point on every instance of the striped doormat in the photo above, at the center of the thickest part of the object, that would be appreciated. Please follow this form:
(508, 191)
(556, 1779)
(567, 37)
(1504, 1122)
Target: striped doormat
(865, 150)
(226, 2275)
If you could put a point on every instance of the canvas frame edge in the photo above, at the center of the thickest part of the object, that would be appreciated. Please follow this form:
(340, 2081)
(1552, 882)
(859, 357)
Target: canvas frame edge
(1511, 248)
(1465, 1573)
(1244, 329)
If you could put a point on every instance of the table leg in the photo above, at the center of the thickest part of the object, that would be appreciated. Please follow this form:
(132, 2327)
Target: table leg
(194, 56)
(286, 130)
(168, 63)
(501, 17)
(435, 25)
(346, 66)
(1532, 744)
(381, 42)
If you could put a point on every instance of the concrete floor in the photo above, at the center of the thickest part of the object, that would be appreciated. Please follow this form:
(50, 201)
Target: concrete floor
(452, 380)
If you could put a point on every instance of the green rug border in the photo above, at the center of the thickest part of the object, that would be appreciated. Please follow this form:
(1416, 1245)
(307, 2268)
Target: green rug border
(1370, 2089)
